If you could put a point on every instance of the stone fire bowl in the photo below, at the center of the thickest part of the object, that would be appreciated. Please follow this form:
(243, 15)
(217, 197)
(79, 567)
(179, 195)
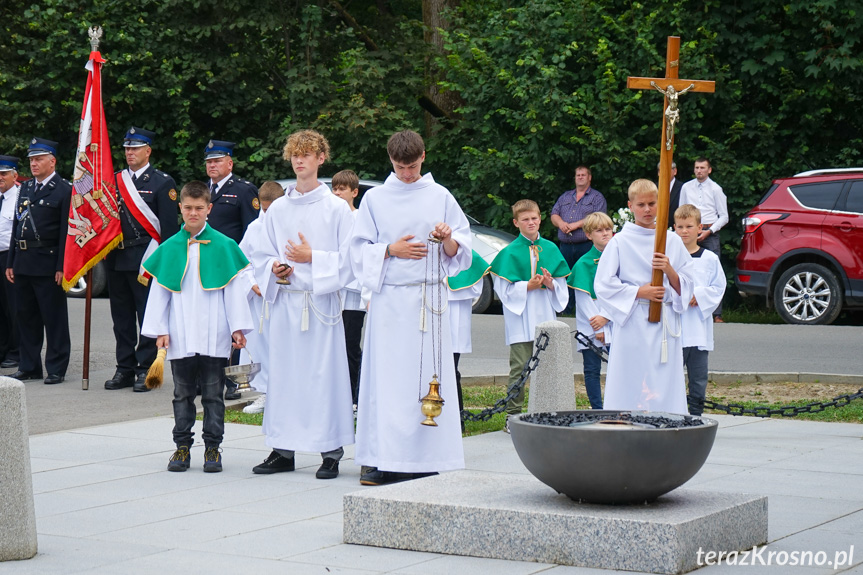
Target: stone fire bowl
(612, 463)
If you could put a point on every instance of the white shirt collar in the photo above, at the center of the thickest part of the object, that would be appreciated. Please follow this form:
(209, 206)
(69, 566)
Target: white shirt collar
(46, 180)
(221, 182)
(139, 172)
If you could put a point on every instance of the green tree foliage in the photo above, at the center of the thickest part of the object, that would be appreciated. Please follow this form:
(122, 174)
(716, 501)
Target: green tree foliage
(193, 70)
(542, 85)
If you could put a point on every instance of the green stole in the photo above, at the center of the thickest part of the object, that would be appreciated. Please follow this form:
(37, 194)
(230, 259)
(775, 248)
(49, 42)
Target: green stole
(466, 278)
(584, 272)
(513, 263)
(220, 260)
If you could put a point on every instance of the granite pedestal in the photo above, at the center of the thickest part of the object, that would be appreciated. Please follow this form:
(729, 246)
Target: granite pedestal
(515, 517)
(17, 511)
(551, 385)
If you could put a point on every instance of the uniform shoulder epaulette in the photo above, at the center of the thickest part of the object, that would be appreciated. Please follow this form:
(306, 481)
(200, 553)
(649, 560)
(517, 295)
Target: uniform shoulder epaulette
(161, 173)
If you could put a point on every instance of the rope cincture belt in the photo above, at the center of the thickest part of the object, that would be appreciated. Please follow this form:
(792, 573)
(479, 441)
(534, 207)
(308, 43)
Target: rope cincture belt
(308, 302)
(666, 330)
(425, 304)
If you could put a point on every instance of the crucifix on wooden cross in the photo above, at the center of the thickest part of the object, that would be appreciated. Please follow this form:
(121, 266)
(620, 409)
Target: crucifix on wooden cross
(672, 87)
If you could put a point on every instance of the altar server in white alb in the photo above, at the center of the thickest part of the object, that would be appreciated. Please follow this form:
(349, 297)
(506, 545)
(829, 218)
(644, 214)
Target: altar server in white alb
(530, 279)
(707, 294)
(645, 365)
(461, 291)
(257, 342)
(346, 185)
(389, 256)
(197, 305)
(309, 392)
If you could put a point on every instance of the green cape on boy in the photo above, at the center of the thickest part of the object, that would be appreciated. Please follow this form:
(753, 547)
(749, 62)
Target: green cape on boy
(584, 272)
(513, 263)
(466, 278)
(221, 257)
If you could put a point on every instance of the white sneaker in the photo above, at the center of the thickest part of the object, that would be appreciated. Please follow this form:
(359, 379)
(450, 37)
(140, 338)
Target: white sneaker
(258, 405)
(506, 425)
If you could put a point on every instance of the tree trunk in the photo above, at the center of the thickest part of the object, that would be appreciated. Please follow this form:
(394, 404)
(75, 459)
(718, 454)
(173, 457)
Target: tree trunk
(438, 104)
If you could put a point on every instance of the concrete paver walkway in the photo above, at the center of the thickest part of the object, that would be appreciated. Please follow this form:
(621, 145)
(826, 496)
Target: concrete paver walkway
(106, 504)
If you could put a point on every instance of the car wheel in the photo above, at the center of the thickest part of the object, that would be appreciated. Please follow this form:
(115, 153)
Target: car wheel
(808, 294)
(100, 281)
(483, 301)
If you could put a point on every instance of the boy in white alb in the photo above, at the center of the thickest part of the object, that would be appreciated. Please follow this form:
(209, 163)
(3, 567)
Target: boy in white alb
(530, 280)
(645, 364)
(389, 256)
(589, 318)
(257, 342)
(346, 185)
(197, 305)
(309, 392)
(461, 291)
(697, 329)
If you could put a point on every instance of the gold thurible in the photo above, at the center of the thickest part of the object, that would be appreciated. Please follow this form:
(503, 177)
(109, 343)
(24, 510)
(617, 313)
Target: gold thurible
(432, 403)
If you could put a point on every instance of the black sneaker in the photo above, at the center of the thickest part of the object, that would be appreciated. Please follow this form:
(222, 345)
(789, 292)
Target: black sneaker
(231, 392)
(140, 383)
(212, 460)
(180, 460)
(329, 469)
(378, 477)
(275, 463)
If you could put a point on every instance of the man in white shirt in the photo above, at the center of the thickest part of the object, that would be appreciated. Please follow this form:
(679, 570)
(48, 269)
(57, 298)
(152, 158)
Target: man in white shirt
(8, 198)
(707, 196)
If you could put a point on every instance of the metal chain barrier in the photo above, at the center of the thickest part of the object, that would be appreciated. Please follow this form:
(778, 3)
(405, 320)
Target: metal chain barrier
(784, 411)
(737, 409)
(500, 405)
(600, 352)
(731, 408)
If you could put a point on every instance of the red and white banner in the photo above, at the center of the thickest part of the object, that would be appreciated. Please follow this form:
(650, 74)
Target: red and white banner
(94, 224)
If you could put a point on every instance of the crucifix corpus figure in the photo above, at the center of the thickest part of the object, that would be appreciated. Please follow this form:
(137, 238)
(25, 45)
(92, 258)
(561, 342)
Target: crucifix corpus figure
(672, 114)
(674, 87)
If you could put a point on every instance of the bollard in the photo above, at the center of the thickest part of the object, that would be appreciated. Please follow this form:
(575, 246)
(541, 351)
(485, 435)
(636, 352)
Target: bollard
(551, 385)
(17, 513)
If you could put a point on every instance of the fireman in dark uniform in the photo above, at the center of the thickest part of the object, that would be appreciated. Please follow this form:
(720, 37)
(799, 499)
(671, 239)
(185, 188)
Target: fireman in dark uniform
(8, 206)
(235, 205)
(35, 266)
(127, 290)
(235, 200)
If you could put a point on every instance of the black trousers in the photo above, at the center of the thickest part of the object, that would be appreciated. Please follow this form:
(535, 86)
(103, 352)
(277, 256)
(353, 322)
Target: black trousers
(190, 374)
(353, 320)
(42, 309)
(135, 353)
(8, 321)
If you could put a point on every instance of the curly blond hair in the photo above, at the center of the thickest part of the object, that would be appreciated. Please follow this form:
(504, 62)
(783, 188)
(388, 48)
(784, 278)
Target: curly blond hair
(304, 142)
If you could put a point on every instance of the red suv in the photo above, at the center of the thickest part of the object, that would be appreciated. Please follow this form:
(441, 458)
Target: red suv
(803, 246)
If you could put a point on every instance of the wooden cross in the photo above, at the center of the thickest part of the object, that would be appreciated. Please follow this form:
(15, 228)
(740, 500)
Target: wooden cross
(672, 87)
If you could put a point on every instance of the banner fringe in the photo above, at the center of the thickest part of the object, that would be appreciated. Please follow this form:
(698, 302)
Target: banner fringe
(67, 285)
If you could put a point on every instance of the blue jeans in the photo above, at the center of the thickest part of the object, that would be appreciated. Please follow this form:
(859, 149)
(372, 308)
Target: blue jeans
(208, 373)
(695, 361)
(571, 254)
(592, 368)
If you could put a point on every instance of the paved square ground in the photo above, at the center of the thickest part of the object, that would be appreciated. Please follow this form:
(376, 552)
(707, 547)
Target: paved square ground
(106, 504)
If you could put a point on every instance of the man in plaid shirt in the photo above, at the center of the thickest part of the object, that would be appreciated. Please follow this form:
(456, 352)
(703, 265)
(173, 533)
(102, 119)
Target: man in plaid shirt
(568, 215)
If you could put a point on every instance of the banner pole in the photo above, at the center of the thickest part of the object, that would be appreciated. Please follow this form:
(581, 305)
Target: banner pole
(85, 381)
